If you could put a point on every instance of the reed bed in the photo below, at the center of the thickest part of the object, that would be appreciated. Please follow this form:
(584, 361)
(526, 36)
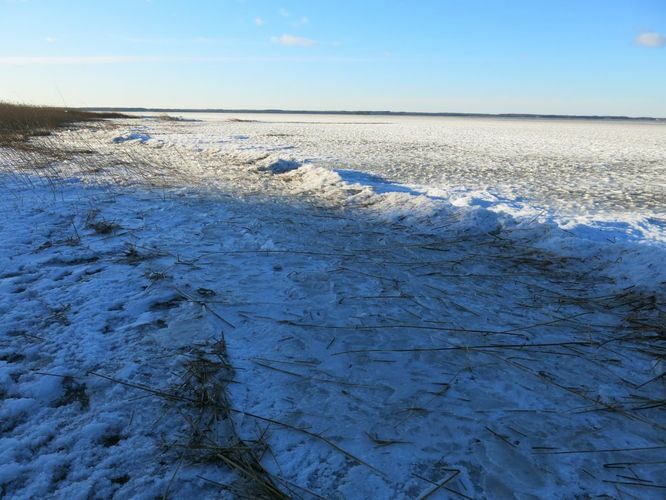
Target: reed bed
(19, 122)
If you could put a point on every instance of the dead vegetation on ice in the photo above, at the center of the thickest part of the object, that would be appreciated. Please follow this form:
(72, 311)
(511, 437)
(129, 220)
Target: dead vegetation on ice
(205, 323)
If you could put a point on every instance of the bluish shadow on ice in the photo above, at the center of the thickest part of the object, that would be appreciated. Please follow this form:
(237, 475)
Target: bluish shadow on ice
(280, 166)
(377, 183)
(134, 136)
(362, 331)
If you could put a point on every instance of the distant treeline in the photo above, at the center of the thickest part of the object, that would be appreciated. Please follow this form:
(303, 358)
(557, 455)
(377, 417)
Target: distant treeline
(377, 113)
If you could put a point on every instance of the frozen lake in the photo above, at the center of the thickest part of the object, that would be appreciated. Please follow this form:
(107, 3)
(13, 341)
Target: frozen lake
(574, 170)
(376, 336)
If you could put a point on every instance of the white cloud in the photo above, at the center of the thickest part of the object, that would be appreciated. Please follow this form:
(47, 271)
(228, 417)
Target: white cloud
(259, 21)
(653, 40)
(50, 39)
(197, 40)
(133, 59)
(301, 21)
(51, 60)
(294, 41)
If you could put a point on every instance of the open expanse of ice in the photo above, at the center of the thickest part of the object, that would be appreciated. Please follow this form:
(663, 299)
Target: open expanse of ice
(392, 308)
(609, 172)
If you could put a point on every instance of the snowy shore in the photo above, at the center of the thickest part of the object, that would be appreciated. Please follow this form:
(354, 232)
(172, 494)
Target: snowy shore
(364, 340)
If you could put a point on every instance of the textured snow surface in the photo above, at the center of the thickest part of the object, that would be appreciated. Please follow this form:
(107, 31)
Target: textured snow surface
(580, 171)
(396, 339)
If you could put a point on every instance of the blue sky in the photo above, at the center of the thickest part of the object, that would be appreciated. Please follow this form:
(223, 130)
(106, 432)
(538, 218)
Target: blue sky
(537, 56)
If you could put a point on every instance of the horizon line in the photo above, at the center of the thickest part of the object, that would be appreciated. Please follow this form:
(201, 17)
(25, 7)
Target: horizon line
(371, 113)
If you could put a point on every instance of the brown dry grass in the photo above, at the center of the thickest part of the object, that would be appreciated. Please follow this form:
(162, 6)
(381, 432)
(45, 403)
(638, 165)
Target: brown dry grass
(19, 122)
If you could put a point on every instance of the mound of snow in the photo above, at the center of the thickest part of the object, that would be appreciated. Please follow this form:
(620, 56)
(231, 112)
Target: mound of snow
(280, 166)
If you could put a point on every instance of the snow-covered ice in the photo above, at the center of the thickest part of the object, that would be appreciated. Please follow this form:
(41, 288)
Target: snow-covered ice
(479, 324)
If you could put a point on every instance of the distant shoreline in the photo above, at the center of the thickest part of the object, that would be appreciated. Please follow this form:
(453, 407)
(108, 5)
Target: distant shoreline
(379, 113)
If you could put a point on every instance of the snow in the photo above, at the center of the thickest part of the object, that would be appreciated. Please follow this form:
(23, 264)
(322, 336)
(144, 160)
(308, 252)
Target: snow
(385, 336)
(580, 171)
(134, 136)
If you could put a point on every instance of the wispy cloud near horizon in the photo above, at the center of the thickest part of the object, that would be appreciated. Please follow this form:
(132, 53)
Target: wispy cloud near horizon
(131, 59)
(294, 41)
(67, 60)
(651, 40)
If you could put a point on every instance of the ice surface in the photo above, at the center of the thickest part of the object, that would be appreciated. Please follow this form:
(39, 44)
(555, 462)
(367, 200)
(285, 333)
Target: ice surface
(578, 170)
(386, 337)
